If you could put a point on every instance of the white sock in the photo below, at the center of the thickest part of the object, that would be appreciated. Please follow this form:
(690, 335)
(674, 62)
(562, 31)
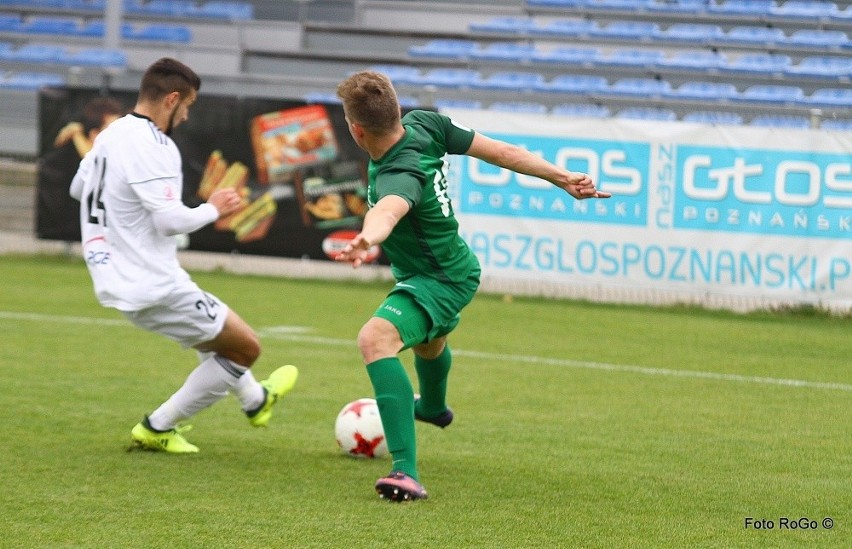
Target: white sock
(206, 385)
(249, 392)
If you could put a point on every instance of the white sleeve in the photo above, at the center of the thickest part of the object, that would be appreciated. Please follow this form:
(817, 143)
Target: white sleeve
(170, 216)
(182, 220)
(76, 189)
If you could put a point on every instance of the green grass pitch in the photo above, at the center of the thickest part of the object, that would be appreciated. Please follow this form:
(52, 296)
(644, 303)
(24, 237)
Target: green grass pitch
(577, 425)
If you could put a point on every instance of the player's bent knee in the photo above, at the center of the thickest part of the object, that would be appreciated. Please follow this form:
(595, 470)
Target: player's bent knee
(378, 340)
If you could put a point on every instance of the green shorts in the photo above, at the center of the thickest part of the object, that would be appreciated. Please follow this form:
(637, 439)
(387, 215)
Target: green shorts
(423, 309)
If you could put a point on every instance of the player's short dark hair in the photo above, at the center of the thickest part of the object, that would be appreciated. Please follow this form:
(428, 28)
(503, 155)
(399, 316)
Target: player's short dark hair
(370, 100)
(165, 76)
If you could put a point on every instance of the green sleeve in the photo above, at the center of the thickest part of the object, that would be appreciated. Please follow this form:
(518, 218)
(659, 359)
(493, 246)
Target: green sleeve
(459, 137)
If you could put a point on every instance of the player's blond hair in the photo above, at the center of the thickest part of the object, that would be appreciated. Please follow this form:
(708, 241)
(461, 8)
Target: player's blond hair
(370, 100)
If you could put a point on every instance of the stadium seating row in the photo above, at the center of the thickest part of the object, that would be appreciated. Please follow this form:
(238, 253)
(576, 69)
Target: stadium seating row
(836, 68)
(767, 9)
(30, 81)
(590, 110)
(696, 34)
(74, 27)
(51, 54)
(233, 11)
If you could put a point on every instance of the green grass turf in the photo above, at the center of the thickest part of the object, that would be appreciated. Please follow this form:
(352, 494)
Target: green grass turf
(577, 425)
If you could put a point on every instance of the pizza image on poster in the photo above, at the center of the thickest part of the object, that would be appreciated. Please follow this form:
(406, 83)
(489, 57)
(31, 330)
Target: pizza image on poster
(291, 139)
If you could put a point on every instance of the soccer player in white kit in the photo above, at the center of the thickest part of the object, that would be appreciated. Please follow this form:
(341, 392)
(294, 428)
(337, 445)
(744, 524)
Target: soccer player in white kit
(129, 187)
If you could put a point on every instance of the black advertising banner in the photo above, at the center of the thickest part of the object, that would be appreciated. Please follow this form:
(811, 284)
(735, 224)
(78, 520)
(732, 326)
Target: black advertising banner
(68, 122)
(302, 177)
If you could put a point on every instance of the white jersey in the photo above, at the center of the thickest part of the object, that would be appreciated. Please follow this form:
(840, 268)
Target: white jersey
(131, 179)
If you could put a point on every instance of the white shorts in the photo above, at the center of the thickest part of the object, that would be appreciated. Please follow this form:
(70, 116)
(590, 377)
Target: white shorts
(189, 315)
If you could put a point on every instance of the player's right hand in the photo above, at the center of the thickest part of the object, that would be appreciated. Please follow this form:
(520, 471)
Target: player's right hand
(355, 252)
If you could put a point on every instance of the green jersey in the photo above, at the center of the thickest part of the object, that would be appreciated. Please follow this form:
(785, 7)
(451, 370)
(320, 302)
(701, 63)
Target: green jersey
(426, 241)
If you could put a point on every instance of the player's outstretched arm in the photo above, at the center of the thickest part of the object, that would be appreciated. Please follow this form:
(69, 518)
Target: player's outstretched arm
(172, 217)
(520, 160)
(378, 224)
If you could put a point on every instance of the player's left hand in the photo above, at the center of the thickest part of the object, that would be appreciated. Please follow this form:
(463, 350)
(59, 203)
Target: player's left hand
(226, 201)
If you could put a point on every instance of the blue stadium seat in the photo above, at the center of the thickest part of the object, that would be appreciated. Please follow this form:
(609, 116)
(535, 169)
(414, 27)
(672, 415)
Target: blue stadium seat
(62, 26)
(830, 67)
(817, 38)
(450, 49)
(134, 7)
(632, 58)
(780, 121)
(32, 81)
(518, 106)
(751, 8)
(504, 51)
(449, 78)
(573, 83)
(85, 5)
(232, 11)
(627, 30)
(581, 110)
(158, 32)
(10, 22)
(399, 74)
(96, 29)
(720, 118)
(50, 4)
(470, 104)
(773, 94)
(842, 15)
(39, 54)
(697, 33)
(510, 25)
(759, 64)
(99, 57)
(565, 28)
(567, 56)
(153, 32)
(619, 5)
(838, 124)
(695, 60)
(509, 80)
(647, 113)
(640, 87)
(835, 97)
(805, 9)
(171, 8)
(712, 91)
(693, 7)
(755, 35)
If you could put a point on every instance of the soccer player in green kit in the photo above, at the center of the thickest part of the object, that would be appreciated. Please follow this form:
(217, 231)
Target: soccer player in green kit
(437, 274)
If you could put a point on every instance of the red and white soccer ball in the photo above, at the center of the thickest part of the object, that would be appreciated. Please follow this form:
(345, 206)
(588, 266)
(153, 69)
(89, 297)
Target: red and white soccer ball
(358, 429)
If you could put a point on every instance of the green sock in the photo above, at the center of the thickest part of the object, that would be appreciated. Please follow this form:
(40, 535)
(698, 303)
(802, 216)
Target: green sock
(432, 377)
(395, 398)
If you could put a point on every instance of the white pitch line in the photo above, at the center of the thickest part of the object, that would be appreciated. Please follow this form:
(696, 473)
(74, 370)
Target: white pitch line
(37, 317)
(293, 333)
